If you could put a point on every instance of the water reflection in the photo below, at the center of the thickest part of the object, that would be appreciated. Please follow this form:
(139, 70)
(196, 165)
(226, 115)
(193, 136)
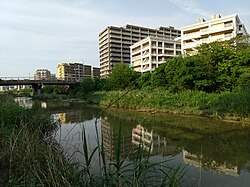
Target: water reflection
(142, 137)
(197, 161)
(70, 117)
(215, 153)
(25, 102)
(152, 142)
(110, 139)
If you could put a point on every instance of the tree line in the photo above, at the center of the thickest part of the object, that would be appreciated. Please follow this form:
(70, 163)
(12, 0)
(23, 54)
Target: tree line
(217, 67)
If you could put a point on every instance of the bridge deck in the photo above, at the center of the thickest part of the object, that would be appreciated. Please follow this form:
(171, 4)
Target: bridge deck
(36, 82)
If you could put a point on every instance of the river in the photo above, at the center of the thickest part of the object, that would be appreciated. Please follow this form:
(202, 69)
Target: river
(213, 153)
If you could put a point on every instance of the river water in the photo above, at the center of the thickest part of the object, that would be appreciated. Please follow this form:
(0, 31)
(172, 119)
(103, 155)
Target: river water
(214, 153)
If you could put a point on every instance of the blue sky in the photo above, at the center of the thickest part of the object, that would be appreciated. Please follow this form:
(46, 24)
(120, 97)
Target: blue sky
(42, 33)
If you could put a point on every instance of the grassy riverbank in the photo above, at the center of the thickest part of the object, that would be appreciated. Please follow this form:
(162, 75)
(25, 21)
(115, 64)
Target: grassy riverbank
(28, 156)
(226, 105)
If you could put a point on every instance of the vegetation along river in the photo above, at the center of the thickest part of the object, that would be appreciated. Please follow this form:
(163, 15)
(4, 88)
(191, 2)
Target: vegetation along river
(212, 152)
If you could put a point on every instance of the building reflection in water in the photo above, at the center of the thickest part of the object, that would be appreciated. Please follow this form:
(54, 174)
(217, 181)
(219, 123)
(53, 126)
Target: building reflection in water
(110, 139)
(69, 117)
(149, 141)
(152, 142)
(43, 105)
(200, 161)
(25, 102)
(142, 137)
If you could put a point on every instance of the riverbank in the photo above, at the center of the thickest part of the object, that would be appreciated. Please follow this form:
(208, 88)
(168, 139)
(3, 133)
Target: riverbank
(226, 106)
(29, 156)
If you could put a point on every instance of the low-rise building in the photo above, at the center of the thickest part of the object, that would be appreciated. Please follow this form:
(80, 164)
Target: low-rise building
(149, 53)
(73, 71)
(95, 72)
(87, 71)
(42, 74)
(70, 71)
(217, 29)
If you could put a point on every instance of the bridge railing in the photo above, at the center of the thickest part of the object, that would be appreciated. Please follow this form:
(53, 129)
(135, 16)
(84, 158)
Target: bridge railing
(17, 78)
(32, 80)
(22, 79)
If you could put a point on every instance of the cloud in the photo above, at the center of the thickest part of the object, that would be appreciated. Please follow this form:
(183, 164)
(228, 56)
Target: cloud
(191, 6)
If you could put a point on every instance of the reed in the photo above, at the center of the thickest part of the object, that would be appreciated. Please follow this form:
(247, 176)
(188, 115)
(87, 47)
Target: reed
(138, 170)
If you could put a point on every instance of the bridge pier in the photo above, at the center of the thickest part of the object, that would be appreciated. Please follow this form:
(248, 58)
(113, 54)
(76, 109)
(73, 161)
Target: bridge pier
(37, 90)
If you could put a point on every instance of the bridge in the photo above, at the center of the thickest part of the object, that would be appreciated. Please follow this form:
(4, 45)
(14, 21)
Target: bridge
(36, 84)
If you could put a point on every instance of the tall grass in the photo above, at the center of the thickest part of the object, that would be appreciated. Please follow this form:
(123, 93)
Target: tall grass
(225, 105)
(28, 155)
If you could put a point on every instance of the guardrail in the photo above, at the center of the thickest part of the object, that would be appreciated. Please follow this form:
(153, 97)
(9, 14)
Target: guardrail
(16, 78)
(34, 79)
(31, 81)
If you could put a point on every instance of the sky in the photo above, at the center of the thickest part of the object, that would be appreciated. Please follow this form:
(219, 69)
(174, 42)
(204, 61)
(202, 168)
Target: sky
(42, 33)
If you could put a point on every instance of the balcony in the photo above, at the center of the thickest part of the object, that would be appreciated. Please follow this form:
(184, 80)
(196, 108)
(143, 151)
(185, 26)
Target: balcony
(115, 46)
(136, 57)
(115, 40)
(190, 45)
(127, 42)
(115, 31)
(204, 31)
(189, 36)
(115, 50)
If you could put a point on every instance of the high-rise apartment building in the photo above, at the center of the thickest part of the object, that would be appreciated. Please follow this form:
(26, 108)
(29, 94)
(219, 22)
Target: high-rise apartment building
(42, 74)
(217, 29)
(115, 42)
(149, 53)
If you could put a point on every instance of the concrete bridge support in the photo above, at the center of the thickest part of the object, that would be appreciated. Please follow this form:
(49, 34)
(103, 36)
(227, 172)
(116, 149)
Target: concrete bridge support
(37, 89)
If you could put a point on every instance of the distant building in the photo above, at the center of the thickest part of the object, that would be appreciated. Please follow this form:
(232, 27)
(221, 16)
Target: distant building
(115, 42)
(42, 74)
(95, 72)
(149, 53)
(217, 29)
(53, 76)
(70, 71)
(87, 72)
(74, 71)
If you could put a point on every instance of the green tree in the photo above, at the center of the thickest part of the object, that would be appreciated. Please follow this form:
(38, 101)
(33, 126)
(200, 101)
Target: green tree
(144, 80)
(122, 76)
(158, 77)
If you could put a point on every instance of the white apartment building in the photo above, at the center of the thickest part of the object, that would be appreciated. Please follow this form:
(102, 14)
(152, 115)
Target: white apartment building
(115, 42)
(217, 29)
(149, 53)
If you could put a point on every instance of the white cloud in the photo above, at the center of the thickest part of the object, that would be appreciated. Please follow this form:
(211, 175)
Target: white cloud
(191, 6)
